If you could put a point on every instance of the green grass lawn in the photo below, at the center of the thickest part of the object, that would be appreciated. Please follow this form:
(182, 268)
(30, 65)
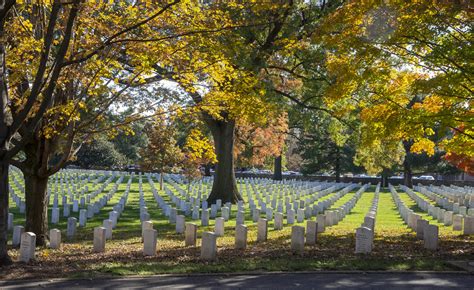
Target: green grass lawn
(395, 247)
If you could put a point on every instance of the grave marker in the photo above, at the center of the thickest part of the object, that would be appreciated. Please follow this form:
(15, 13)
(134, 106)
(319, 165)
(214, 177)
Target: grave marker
(54, 239)
(278, 223)
(71, 227)
(241, 236)
(28, 247)
(364, 240)
(262, 230)
(17, 234)
(208, 246)
(469, 225)
(149, 242)
(99, 239)
(191, 234)
(219, 227)
(297, 239)
(180, 224)
(430, 237)
(311, 232)
(420, 227)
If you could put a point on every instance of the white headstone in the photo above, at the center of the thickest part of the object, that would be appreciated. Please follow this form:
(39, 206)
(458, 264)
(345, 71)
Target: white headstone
(195, 215)
(262, 230)
(71, 227)
(54, 215)
(205, 217)
(82, 217)
(297, 239)
(219, 227)
(290, 217)
(99, 239)
(213, 210)
(75, 206)
(364, 240)
(240, 219)
(300, 215)
(448, 218)
(469, 225)
(369, 222)
(17, 233)
(28, 246)
(54, 239)
(173, 214)
(149, 242)
(209, 246)
(269, 213)
(66, 210)
(108, 225)
(255, 214)
(191, 234)
(113, 216)
(311, 232)
(241, 236)
(146, 225)
(225, 213)
(180, 224)
(457, 222)
(278, 223)
(430, 237)
(420, 227)
(321, 220)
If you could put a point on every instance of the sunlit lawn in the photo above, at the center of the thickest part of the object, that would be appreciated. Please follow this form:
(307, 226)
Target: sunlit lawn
(396, 247)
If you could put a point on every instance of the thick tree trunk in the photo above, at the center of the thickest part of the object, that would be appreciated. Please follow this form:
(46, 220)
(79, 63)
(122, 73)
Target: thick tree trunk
(4, 258)
(337, 165)
(407, 174)
(225, 185)
(36, 185)
(277, 175)
(37, 207)
(385, 174)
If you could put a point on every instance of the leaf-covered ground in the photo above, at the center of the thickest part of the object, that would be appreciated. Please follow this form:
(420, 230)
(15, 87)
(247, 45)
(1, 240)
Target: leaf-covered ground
(396, 247)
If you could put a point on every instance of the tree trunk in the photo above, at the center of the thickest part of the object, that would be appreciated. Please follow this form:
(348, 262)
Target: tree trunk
(225, 185)
(4, 198)
(36, 185)
(407, 174)
(207, 170)
(385, 174)
(277, 175)
(4, 258)
(337, 165)
(37, 207)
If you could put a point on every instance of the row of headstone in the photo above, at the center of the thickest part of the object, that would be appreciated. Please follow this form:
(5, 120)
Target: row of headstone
(334, 216)
(463, 196)
(103, 233)
(448, 218)
(444, 202)
(427, 232)
(91, 209)
(365, 233)
(191, 209)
